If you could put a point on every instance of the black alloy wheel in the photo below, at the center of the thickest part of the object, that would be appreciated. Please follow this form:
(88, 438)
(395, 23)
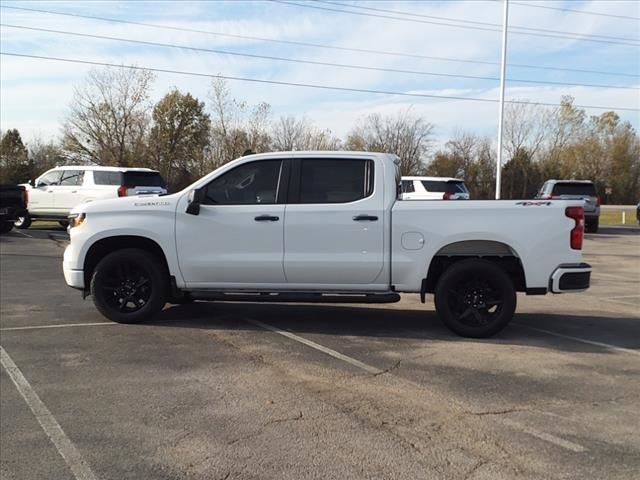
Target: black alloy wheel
(475, 298)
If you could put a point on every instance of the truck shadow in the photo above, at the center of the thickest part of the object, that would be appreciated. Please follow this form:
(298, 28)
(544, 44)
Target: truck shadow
(407, 324)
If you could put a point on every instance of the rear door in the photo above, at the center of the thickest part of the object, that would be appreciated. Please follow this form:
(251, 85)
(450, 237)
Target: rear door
(70, 191)
(334, 224)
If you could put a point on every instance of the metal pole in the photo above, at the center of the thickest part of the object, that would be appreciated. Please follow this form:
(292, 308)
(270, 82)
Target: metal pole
(503, 66)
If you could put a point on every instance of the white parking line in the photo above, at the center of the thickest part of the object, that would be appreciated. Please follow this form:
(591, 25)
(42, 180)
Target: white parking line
(61, 325)
(321, 348)
(68, 451)
(561, 442)
(581, 340)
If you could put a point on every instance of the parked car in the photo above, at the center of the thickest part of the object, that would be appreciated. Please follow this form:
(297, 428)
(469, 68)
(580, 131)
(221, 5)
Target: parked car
(13, 204)
(434, 188)
(58, 190)
(575, 190)
(322, 227)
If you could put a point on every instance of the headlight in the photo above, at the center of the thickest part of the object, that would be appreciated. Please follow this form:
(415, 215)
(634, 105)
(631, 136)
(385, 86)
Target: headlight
(76, 219)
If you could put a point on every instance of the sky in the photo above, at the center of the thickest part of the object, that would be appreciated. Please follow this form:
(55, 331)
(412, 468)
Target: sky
(35, 94)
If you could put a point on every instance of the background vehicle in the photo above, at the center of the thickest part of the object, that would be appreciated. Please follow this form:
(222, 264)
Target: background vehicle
(58, 190)
(434, 188)
(322, 227)
(575, 190)
(13, 203)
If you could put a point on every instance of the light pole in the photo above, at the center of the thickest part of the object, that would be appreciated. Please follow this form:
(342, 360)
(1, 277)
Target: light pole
(503, 65)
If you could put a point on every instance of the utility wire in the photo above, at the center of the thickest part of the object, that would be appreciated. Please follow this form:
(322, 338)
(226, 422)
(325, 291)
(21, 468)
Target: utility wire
(576, 11)
(468, 27)
(474, 22)
(305, 85)
(309, 62)
(316, 45)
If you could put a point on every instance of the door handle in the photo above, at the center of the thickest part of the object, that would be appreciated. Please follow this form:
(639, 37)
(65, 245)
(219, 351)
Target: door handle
(266, 218)
(361, 218)
(74, 191)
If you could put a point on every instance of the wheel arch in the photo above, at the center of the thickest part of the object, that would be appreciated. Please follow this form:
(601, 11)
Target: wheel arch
(498, 252)
(105, 246)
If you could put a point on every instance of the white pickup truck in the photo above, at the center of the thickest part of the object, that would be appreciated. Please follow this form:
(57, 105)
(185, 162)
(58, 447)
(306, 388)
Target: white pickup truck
(322, 227)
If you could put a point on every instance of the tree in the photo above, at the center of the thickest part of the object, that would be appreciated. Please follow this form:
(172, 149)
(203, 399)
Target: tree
(235, 126)
(109, 118)
(289, 133)
(179, 138)
(45, 155)
(14, 159)
(406, 135)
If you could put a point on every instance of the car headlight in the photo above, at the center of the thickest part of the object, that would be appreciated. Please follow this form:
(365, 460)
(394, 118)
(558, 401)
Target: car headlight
(76, 219)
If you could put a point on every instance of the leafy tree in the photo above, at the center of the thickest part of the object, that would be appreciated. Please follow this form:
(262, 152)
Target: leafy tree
(109, 118)
(179, 138)
(14, 159)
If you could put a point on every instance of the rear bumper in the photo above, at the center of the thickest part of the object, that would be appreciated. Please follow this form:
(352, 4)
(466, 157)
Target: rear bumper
(570, 278)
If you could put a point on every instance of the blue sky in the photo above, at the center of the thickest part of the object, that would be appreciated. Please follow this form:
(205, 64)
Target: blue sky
(35, 94)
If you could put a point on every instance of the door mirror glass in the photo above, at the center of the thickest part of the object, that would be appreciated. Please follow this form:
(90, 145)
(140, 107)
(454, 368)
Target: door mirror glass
(196, 197)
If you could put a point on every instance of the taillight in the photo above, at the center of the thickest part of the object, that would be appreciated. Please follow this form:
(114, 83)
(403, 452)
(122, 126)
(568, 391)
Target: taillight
(577, 232)
(122, 190)
(25, 197)
(597, 200)
(446, 196)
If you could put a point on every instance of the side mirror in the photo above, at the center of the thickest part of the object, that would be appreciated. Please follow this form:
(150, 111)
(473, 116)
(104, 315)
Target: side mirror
(32, 182)
(196, 197)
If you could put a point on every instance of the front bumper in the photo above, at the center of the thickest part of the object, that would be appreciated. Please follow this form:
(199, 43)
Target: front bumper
(73, 276)
(570, 278)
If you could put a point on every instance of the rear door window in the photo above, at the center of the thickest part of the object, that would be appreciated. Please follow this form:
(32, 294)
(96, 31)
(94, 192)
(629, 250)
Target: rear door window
(335, 180)
(585, 189)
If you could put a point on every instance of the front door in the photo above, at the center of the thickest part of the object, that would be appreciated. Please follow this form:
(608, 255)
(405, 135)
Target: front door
(237, 238)
(42, 196)
(334, 225)
(70, 191)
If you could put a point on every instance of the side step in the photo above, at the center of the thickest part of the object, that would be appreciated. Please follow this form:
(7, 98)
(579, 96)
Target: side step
(295, 297)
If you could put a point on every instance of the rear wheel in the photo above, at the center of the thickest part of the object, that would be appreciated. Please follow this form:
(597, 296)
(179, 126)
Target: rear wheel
(23, 222)
(475, 298)
(129, 285)
(592, 226)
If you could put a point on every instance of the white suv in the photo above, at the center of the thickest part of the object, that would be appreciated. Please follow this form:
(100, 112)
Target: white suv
(57, 191)
(434, 188)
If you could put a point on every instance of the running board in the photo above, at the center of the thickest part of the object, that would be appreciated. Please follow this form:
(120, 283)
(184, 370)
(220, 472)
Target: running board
(295, 297)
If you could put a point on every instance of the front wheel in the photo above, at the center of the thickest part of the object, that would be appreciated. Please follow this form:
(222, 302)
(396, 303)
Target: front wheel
(129, 285)
(475, 298)
(23, 222)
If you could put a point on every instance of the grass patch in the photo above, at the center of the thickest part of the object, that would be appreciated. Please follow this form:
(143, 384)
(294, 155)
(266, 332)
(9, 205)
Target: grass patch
(614, 217)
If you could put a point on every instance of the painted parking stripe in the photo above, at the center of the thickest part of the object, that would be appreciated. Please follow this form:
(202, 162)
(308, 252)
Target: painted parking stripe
(61, 325)
(68, 451)
(581, 340)
(317, 346)
(561, 442)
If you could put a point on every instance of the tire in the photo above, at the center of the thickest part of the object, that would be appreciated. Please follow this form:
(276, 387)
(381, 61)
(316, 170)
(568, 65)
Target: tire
(23, 222)
(593, 226)
(6, 227)
(475, 298)
(129, 285)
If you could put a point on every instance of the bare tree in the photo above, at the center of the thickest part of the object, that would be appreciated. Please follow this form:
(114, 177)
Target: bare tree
(526, 126)
(235, 126)
(109, 117)
(289, 133)
(404, 134)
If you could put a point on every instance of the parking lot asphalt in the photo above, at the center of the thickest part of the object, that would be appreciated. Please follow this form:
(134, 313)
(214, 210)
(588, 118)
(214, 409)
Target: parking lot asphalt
(261, 391)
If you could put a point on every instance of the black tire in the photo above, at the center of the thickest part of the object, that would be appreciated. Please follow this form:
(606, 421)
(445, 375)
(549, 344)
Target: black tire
(129, 285)
(6, 227)
(23, 222)
(475, 298)
(593, 226)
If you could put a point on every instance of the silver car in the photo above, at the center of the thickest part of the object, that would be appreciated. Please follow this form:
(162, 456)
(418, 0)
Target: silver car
(575, 190)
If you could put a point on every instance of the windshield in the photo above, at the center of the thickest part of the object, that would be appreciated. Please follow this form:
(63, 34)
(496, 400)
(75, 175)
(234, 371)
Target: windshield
(451, 186)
